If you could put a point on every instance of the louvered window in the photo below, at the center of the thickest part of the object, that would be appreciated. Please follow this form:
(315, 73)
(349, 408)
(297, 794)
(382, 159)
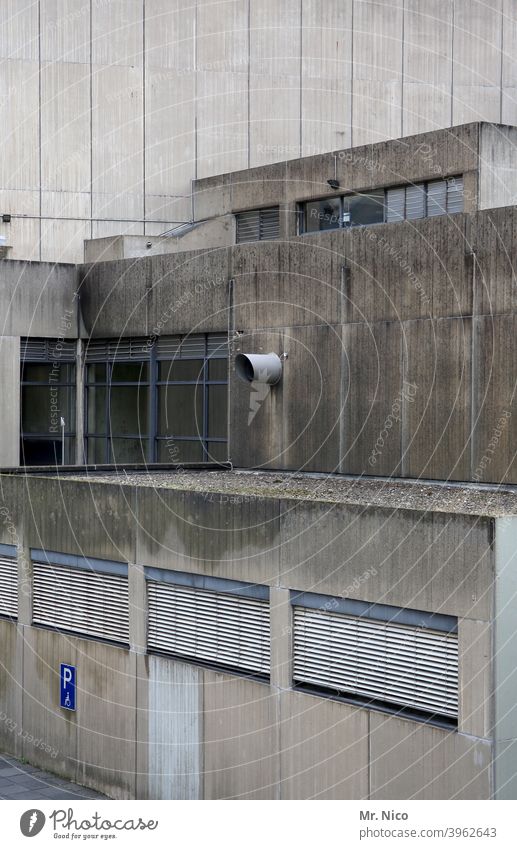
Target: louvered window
(455, 195)
(228, 629)
(89, 599)
(436, 198)
(385, 663)
(258, 224)
(8, 582)
(395, 205)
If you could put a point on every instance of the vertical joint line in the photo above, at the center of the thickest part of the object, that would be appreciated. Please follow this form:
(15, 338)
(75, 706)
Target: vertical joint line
(300, 96)
(40, 139)
(352, 76)
(143, 115)
(91, 119)
(453, 25)
(402, 69)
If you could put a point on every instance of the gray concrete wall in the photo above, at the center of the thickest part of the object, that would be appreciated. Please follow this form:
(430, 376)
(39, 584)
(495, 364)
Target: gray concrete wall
(498, 166)
(112, 108)
(10, 400)
(151, 726)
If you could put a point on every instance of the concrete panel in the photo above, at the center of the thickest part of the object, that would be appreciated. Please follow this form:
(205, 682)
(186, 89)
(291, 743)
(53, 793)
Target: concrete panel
(497, 167)
(43, 719)
(509, 64)
(175, 729)
(492, 237)
(373, 399)
(19, 125)
(10, 690)
(37, 299)
(63, 241)
(326, 72)
(62, 205)
(281, 638)
(117, 33)
(169, 35)
(24, 234)
(10, 403)
(477, 62)
(432, 561)
(19, 29)
(414, 761)
(494, 364)
(117, 138)
(170, 153)
(274, 83)
(475, 686)
(65, 32)
(377, 71)
(311, 398)
(209, 533)
(106, 719)
(505, 673)
(240, 739)
(65, 129)
(323, 749)
(427, 82)
(438, 418)
(114, 298)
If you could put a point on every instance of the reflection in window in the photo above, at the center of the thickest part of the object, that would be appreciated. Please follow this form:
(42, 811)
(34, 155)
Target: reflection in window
(47, 400)
(170, 407)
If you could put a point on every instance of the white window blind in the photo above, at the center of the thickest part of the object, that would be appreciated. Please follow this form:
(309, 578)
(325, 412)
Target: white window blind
(8, 586)
(395, 205)
(215, 627)
(436, 198)
(402, 665)
(73, 599)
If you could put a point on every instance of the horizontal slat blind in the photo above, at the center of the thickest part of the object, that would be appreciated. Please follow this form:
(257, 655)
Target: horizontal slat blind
(395, 205)
(47, 350)
(436, 198)
(87, 602)
(415, 201)
(8, 587)
(402, 665)
(257, 224)
(455, 195)
(219, 628)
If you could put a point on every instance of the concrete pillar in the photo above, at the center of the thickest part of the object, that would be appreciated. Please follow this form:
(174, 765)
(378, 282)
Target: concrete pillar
(10, 403)
(137, 609)
(505, 668)
(281, 638)
(79, 405)
(24, 585)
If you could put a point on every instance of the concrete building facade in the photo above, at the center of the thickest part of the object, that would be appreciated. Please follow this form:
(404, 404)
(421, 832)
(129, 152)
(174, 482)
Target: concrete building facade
(110, 108)
(292, 589)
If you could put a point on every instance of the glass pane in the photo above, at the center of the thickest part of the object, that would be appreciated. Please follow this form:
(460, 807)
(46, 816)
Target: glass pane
(129, 410)
(43, 407)
(129, 451)
(47, 452)
(218, 369)
(217, 452)
(180, 410)
(217, 406)
(96, 373)
(364, 209)
(130, 372)
(96, 451)
(189, 451)
(322, 214)
(96, 415)
(49, 372)
(180, 370)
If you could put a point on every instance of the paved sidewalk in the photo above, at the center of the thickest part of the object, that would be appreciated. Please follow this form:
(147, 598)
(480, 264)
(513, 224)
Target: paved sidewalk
(22, 781)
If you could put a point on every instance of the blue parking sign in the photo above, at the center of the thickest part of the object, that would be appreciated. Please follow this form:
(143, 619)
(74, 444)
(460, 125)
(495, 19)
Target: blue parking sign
(67, 686)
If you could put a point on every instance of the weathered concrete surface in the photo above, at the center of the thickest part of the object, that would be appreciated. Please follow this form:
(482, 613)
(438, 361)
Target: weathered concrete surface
(10, 400)
(38, 299)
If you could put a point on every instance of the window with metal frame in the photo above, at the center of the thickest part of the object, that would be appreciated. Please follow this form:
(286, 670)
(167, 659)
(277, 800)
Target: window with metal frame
(8, 581)
(385, 657)
(161, 400)
(82, 595)
(213, 621)
(256, 225)
(411, 202)
(48, 393)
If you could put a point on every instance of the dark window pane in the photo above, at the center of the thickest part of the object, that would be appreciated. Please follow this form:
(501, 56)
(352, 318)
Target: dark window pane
(363, 209)
(130, 372)
(218, 369)
(96, 422)
(47, 452)
(217, 406)
(180, 370)
(217, 452)
(129, 451)
(322, 214)
(96, 373)
(48, 372)
(180, 411)
(96, 450)
(188, 451)
(128, 410)
(43, 407)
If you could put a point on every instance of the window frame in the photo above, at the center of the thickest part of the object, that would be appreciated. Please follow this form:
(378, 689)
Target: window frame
(69, 384)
